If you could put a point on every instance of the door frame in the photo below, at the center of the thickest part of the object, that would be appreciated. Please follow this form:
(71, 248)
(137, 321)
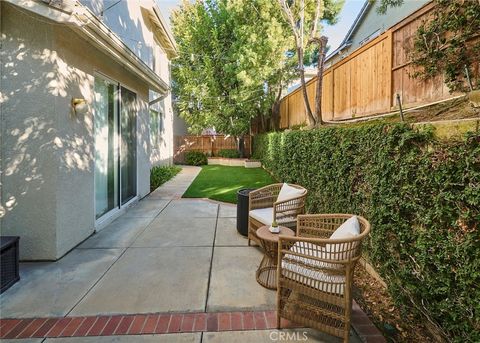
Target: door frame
(136, 141)
(117, 211)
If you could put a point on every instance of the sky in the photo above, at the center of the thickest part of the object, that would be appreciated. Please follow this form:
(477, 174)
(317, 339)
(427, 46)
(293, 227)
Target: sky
(335, 33)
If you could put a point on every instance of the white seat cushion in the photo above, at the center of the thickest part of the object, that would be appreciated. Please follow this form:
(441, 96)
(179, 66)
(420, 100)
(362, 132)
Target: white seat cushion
(314, 250)
(263, 215)
(288, 192)
(301, 269)
(314, 278)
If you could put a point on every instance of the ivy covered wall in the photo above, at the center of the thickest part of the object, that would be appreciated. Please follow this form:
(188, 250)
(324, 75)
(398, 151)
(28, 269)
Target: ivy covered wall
(422, 198)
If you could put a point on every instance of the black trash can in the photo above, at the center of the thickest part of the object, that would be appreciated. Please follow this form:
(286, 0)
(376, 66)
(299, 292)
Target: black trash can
(242, 210)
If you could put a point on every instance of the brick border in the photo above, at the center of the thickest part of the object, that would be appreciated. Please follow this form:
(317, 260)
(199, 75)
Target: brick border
(163, 323)
(364, 327)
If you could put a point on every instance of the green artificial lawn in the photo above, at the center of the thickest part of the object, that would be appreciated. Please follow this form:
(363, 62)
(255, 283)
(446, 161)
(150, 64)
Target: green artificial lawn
(222, 183)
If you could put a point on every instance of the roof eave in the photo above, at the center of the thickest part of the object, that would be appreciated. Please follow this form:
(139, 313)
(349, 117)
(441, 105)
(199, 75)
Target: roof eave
(346, 41)
(85, 23)
(163, 33)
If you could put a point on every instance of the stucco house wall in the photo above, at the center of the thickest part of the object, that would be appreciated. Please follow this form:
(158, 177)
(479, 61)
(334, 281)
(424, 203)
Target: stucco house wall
(75, 219)
(129, 20)
(48, 151)
(29, 171)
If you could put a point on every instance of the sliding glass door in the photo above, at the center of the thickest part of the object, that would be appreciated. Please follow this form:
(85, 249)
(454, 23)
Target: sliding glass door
(115, 117)
(106, 147)
(128, 161)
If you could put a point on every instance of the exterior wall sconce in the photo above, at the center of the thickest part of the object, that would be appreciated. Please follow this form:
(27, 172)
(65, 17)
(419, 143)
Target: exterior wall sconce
(79, 106)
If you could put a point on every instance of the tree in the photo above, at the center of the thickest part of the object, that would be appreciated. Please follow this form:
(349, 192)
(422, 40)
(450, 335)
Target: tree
(231, 62)
(304, 18)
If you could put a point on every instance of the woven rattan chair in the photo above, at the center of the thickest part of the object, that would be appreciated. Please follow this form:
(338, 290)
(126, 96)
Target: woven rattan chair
(284, 212)
(315, 274)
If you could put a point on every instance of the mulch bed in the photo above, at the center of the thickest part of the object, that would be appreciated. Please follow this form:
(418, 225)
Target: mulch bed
(373, 298)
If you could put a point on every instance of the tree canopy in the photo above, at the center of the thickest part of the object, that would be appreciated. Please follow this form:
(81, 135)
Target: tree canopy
(232, 61)
(304, 18)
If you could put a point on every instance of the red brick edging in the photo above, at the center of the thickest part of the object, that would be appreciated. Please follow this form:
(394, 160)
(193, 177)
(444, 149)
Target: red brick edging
(161, 323)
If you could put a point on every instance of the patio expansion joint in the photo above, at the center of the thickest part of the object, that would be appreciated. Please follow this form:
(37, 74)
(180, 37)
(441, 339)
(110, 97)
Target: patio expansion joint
(211, 258)
(119, 257)
(97, 281)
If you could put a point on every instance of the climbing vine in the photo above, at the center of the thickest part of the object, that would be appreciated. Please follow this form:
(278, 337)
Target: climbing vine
(449, 43)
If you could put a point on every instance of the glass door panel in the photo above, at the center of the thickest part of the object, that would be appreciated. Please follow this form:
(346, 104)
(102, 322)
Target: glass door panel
(128, 145)
(106, 147)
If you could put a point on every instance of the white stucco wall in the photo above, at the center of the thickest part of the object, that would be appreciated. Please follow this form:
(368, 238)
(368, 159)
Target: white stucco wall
(129, 20)
(47, 151)
(29, 168)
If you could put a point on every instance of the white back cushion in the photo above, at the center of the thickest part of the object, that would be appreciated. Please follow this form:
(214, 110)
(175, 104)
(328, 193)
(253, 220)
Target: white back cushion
(288, 192)
(349, 228)
(343, 251)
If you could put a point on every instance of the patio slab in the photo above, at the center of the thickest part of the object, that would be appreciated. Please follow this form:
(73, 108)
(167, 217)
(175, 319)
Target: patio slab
(170, 338)
(191, 208)
(146, 208)
(147, 280)
(227, 234)
(49, 289)
(163, 264)
(269, 336)
(165, 231)
(227, 211)
(233, 285)
(121, 233)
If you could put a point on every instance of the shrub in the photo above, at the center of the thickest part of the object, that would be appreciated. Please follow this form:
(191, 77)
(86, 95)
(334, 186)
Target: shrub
(229, 153)
(160, 175)
(422, 198)
(195, 158)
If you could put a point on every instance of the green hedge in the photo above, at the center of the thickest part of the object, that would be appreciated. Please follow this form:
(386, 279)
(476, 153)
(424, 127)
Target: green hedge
(422, 198)
(195, 158)
(160, 175)
(229, 153)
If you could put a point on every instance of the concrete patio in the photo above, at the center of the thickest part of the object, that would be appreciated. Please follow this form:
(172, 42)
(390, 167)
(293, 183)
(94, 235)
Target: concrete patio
(164, 255)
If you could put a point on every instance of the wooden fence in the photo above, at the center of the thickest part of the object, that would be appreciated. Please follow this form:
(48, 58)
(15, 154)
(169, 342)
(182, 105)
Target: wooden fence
(208, 144)
(367, 81)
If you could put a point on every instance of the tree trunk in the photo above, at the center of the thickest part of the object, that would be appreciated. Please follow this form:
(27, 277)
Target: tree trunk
(310, 116)
(275, 121)
(322, 45)
(241, 146)
(262, 125)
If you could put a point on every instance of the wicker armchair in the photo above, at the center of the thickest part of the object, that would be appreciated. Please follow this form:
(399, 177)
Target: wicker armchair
(284, 212)
(315, 274)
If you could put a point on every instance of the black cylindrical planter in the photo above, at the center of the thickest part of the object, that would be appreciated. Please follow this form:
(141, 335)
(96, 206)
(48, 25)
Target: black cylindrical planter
(242, 211)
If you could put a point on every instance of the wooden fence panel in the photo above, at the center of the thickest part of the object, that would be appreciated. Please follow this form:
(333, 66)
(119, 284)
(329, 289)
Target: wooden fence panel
(366, 82)
(296, 109)
(327, 96)
(284, 113)
(341, 91)
(208, 144)
(413, 91)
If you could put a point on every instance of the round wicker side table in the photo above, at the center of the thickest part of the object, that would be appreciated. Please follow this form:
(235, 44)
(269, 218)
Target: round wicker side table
(267, 271)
